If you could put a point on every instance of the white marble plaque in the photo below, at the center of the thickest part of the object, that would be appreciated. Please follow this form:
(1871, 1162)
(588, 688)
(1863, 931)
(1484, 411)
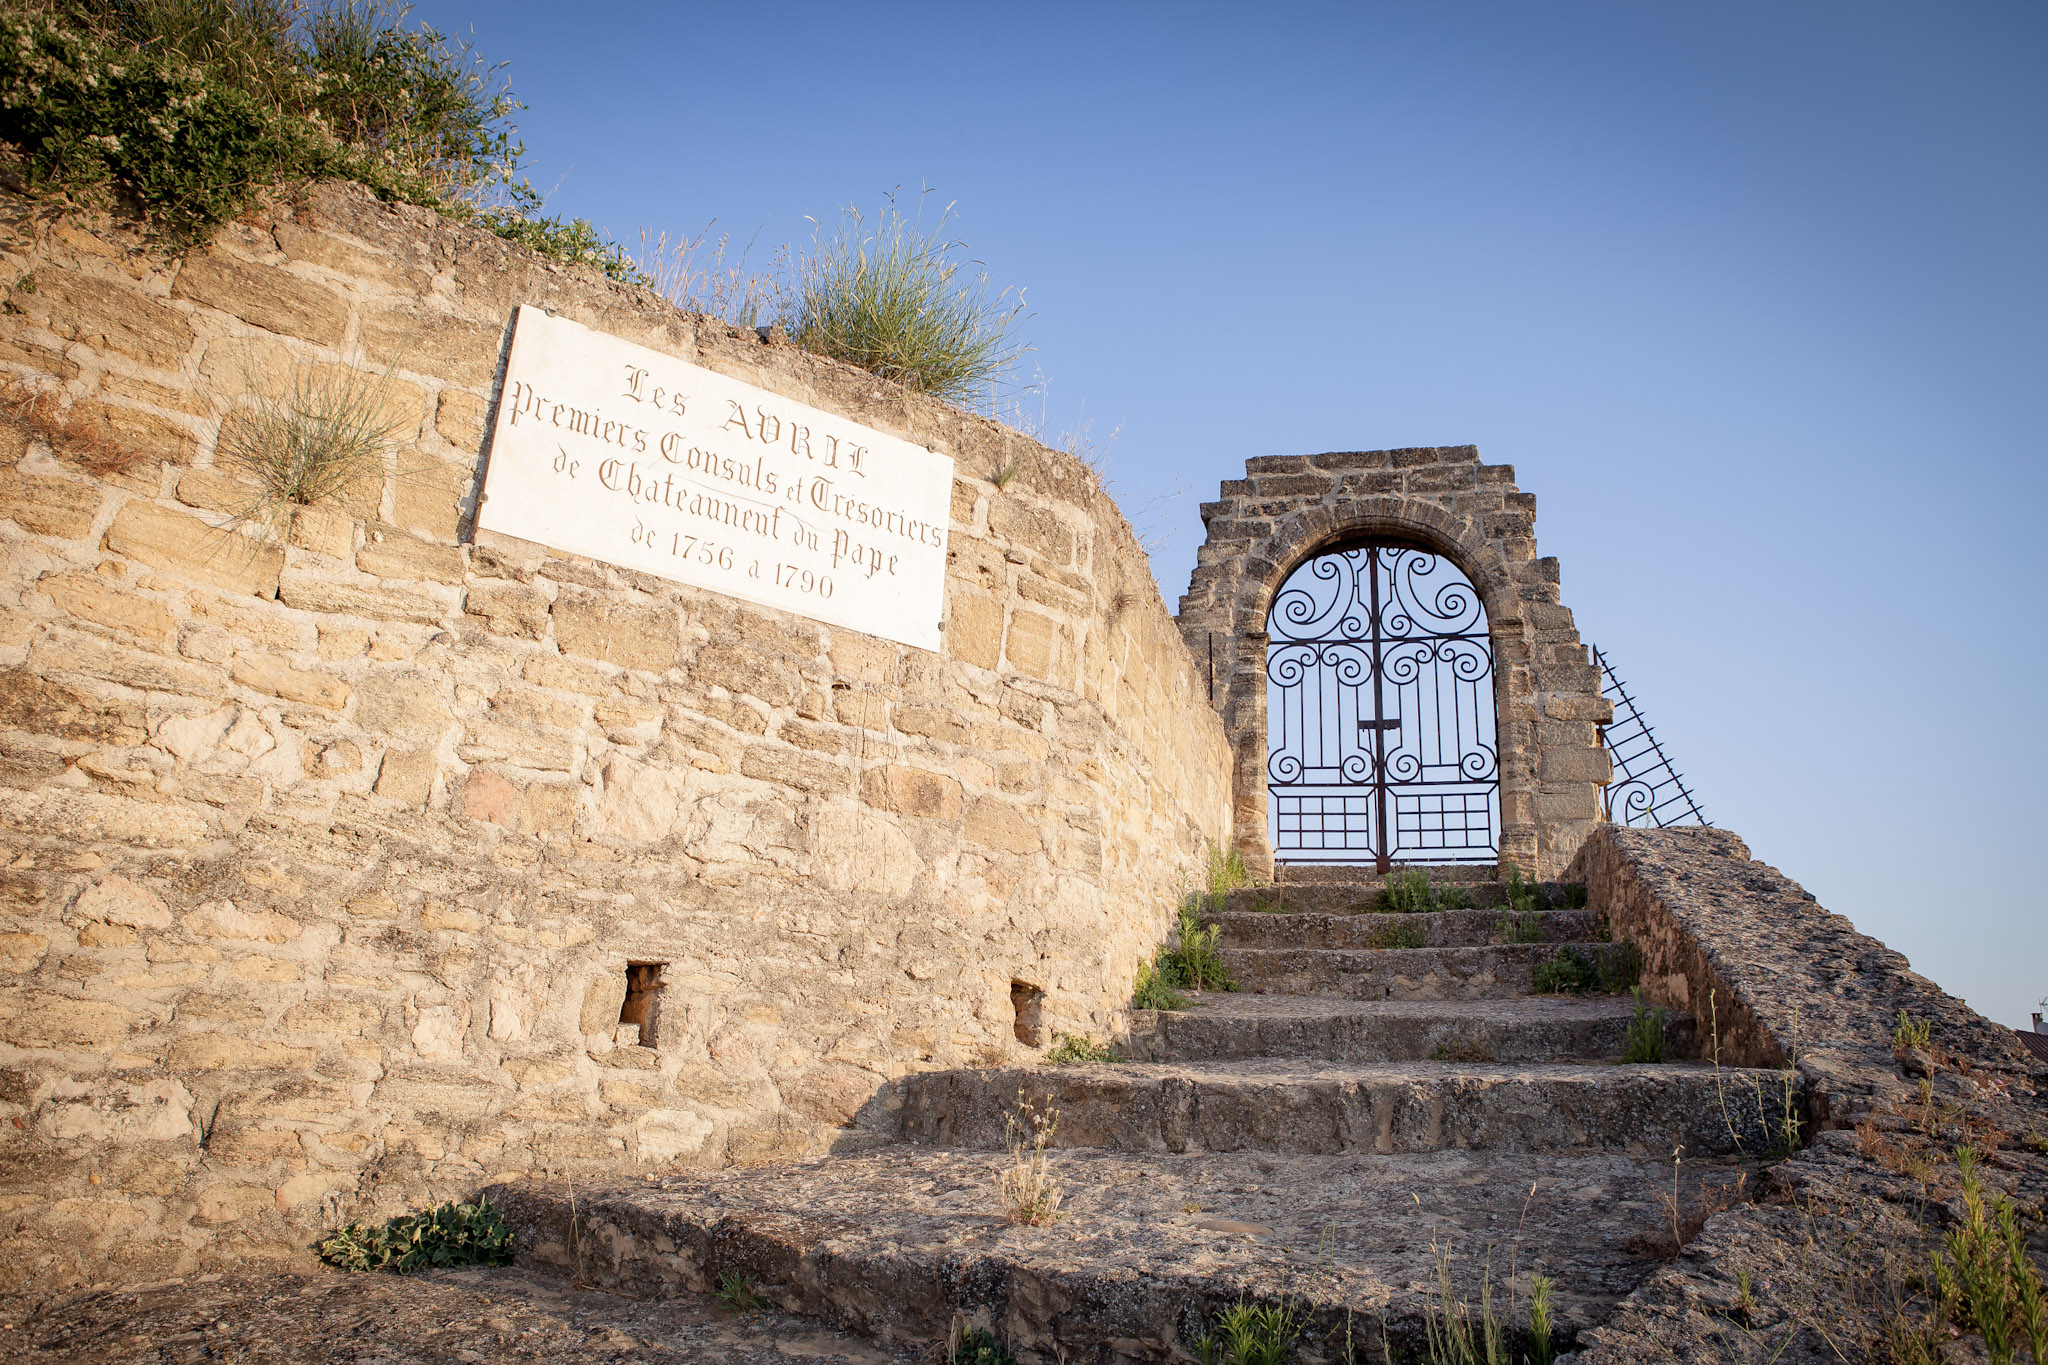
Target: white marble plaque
(607, 449)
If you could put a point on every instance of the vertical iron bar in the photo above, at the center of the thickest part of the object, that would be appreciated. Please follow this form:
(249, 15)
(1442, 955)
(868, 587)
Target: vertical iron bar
(1379, 715)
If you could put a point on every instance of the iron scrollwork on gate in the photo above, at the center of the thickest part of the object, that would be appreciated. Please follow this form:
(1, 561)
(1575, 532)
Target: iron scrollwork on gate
(1380, 713)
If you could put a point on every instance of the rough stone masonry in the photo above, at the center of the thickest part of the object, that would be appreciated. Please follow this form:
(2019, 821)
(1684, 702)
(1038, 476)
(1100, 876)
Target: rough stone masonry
(331, 855)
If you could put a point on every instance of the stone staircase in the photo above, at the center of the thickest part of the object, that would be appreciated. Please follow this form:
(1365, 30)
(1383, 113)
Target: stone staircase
(1355, 1111)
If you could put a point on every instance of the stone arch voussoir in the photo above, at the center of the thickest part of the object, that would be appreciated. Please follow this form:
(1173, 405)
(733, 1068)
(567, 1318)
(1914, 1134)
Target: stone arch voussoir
(1286, 510)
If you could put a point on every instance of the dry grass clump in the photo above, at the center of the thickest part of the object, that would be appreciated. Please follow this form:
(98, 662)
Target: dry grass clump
(1028, 1191)
(325, 434)
(85, 444)
(897, 299)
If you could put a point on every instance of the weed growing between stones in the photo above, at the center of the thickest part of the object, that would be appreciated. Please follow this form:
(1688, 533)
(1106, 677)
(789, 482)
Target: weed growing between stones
(1152, 991)
(737, 1291)
(1454, 1335)
(1251, 1334)
(1400, 934)
(1983, 1277)
(1911, 1033)
(1519, 920)
(1568, 972)
(1409, 892)
(1028, 1191)
(1462, 1050)
(1645, 1032)
(82, 443)
(445, 1235)
(974, 1346)
(1192, 962)
(897, 299)
(324, 438)
(1069, 1048)
(1763, 1125)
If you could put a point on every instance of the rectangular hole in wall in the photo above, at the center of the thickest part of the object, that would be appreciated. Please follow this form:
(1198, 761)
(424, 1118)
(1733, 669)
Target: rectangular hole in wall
(642, 1008)
(1027, 1008)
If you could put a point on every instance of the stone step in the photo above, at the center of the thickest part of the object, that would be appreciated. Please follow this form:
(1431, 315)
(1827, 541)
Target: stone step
(1493, 972)
(1442, 929)
(1146, 1253)
(1359, 892)
(1305, 1107)
(1226, 1027)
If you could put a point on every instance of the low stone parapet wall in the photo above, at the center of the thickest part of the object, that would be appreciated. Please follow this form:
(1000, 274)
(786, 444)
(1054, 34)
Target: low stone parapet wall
(1835, 1255)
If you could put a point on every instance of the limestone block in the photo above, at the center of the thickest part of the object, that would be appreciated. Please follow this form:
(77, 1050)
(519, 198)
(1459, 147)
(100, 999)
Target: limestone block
(665, 1134)
(407, 776)
(94, 1025)
(107, 936)
(266, 673)
(90, 598)
(224, 919)
(262, 625)
(974, 630)
(48, 505)
(439, 1033)
(134, 430)
(263, 296)
(744, 672)
(912, 791)
(629, 634)
(859, 849)
(428, 499)
(325, 530)
(396, 556)
(107, 317)
(994, 823)
(1033, 643)
(229, 1052)
(69, 652)
(309, 591)
(932, 722)
(22, 952)
(67, 711)
(511, 609)
(459, 417)
(116, 900)
(405, 706)
(432, 343)
(518, 745)
(1031, 528)
(182, 544)
(793, 768)
(642, 802)
(603, 998)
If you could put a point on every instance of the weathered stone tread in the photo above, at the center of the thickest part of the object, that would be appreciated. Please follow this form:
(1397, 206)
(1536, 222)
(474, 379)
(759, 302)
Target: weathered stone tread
(892, 1243)
(1439, 929)
(1231, 1027)
(1309, 1107)
(1496, 971)
(437, 1317)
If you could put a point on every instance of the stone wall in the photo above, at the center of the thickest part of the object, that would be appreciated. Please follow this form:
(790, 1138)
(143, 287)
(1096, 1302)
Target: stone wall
(1289, 508)
(1830, 1261)
(327, 852)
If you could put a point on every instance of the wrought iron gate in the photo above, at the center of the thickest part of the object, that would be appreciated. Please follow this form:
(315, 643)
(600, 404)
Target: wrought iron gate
(1380, 713)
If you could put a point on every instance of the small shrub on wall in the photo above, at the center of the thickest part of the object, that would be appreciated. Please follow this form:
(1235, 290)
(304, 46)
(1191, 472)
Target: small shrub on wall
(190, 108)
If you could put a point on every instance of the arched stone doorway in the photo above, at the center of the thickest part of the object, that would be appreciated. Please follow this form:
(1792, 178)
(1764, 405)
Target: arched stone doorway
(1382, 741)
(1288, 509)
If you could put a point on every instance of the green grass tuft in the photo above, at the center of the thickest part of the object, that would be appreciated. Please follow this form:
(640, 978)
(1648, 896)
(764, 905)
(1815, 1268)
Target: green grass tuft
(900, 301)
(1251, 1334)
(1645, 1032)
(446, 1235)
(1068, 1048)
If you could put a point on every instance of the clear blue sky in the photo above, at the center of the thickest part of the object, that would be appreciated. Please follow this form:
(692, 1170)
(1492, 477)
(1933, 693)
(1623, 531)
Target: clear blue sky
(1751, 295)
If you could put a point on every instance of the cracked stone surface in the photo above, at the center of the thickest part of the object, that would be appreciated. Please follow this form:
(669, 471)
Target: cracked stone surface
(463, 1317)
